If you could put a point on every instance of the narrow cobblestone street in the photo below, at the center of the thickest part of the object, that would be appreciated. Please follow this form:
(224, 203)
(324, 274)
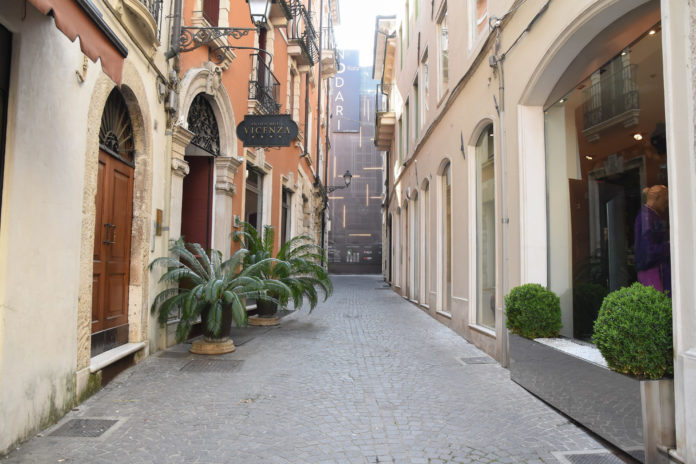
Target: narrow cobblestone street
(366, 378)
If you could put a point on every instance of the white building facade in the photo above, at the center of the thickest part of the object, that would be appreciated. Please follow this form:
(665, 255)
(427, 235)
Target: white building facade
(520, 138)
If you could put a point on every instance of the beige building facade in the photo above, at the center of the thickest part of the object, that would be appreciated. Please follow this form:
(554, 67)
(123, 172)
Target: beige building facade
(519, 137)
(63, 114)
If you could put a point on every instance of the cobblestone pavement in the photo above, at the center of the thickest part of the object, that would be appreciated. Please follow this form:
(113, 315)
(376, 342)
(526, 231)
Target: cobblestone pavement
(366, 378)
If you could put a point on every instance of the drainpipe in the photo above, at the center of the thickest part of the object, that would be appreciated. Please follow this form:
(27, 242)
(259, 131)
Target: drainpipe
(326, 164)
(496, 61)
(505, 220)
(306, 114)
(321, 23)
(319, 179)
(176, 31)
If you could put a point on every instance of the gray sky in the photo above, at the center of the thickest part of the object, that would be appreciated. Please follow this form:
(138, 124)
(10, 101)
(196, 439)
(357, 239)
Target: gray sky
(357, 29)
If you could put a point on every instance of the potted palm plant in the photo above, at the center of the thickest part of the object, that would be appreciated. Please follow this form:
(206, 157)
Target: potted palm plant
(210, 290)
(298, 265)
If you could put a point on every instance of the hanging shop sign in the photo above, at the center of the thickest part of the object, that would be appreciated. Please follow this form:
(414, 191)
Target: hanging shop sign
(268, 130)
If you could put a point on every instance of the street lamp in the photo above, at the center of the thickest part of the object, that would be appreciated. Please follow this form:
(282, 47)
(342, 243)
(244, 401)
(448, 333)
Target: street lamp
(347, 177)
(259, 11)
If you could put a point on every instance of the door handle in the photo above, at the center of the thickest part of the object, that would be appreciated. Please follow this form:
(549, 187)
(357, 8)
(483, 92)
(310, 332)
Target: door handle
(108, 228)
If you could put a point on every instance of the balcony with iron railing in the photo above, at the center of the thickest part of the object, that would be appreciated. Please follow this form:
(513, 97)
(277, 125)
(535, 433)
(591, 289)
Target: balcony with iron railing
(613, 99)
(385, 117)
(264, 88)
(302, 37)
(329, 52)
(146, 16)
(280, 12)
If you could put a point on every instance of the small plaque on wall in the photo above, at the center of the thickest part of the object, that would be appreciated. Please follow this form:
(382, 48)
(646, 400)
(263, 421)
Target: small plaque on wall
(273, 130)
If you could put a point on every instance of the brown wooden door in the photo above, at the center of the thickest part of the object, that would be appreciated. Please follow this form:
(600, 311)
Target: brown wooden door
(114, 212)
(197, 201)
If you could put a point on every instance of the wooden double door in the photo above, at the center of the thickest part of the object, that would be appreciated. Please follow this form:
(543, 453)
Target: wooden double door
(112, 241)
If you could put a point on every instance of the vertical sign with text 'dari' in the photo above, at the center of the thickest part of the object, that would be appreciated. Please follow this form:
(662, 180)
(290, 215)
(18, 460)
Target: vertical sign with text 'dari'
(345, 93)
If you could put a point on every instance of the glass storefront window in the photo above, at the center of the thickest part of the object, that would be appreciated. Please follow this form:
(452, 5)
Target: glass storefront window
(607, 183)
(485, 229)
(447, 238)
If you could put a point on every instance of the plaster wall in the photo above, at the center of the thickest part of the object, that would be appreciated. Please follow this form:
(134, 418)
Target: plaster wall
(40, 236)
(47, 233)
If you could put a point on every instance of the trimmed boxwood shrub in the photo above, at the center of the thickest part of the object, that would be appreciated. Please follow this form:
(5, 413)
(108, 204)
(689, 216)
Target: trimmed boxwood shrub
(533, 311)
(634, 332)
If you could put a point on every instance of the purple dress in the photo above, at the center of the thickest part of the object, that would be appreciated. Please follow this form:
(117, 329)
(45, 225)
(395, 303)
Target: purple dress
(652, 250)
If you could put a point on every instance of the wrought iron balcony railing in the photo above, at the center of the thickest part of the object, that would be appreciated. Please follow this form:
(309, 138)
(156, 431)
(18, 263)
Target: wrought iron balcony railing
(611, 96)
(155, 8)
(301, 29)
(285, 6)
(265, 87)
(328, 40)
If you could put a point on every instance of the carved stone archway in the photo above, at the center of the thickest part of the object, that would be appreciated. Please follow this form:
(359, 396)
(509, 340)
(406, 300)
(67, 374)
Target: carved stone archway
(206, 81)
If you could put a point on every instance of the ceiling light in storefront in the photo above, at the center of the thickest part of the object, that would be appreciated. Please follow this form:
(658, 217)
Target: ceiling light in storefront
(562, 100)
(652, 32)
(589, 157)
(638, 136)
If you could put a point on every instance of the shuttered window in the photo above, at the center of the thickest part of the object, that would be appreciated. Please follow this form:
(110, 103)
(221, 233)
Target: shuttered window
(211, 11)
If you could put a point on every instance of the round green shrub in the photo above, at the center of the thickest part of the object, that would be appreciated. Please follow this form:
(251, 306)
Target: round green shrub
(533, 311)
(634, 332)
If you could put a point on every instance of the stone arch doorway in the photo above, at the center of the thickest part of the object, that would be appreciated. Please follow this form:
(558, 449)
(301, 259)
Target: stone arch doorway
(197, 199)
(113, 223)
(204, 158)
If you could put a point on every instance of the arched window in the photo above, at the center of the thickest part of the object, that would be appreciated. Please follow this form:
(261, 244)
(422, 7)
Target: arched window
(425, 225)
(485, 229)
(446, 237)
(202, 122)
(415, 248)
(116, 130)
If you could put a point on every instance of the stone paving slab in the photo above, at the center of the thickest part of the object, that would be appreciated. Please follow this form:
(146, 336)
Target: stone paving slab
(366, 378)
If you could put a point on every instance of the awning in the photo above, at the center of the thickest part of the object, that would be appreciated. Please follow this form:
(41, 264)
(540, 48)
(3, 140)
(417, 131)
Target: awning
(81, 18)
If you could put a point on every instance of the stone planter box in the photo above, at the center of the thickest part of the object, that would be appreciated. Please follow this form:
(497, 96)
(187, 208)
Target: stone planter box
(635, 416)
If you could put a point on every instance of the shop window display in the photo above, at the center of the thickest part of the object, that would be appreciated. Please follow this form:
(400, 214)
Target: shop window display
(607, 183)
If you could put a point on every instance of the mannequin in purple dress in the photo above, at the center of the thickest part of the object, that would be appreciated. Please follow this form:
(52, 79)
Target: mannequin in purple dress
(652, 240)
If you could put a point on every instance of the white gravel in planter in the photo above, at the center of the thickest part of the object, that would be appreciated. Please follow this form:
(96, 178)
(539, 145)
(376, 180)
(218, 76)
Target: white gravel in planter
(584, 351)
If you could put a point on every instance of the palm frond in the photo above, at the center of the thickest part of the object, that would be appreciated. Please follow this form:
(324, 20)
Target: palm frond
(180, 250)
(203, 258)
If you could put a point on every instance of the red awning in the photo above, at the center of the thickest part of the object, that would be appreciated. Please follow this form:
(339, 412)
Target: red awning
(80, 18)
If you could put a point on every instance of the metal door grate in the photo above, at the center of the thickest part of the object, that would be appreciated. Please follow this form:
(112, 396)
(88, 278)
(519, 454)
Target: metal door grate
(89, 428)
(215, 366)
(589, 457)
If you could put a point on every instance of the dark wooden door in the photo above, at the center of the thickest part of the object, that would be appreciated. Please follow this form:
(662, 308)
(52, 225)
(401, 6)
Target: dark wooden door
(114, 213)
(197, 201)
